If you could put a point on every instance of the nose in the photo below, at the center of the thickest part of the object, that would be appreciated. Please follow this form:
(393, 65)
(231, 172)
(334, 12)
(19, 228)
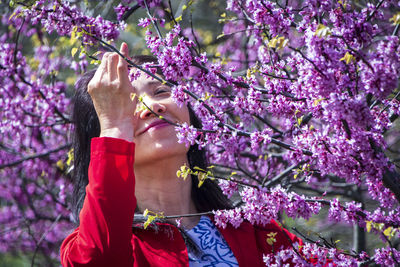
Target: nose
(155, 106)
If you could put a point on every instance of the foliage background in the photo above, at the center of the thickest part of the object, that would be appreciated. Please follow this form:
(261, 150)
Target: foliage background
(35, 182)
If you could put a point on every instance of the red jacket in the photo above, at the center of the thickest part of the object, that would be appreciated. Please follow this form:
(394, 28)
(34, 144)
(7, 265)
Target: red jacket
(105, 236)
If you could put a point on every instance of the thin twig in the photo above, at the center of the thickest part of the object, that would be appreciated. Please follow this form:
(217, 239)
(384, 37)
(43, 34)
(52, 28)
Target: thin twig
(376, 9)
(309, 60)
(153, 20)
(130, 12)
(278, 177)
(42, 238)
(45, 154)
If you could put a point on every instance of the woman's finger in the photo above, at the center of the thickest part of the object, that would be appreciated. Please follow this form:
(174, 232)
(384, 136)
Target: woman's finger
(99, 74)
(112, 66)
(123, 65)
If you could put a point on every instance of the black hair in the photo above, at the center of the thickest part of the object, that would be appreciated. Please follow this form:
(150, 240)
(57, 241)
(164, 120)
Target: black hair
(206, 198)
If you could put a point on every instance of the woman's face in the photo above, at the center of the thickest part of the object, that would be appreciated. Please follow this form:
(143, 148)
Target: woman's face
(154, 138)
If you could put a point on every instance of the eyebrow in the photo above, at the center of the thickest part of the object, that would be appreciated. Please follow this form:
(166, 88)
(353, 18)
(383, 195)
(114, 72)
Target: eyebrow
(152, 83)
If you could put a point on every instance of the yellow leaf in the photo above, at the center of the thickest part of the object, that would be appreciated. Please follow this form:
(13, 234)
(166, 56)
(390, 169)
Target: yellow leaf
(146, 211)
(70, 80)
(396, 19)
(322, 31)
(271, 241)
(369, 224)
(299, 120)
(248, 75)
(12, 15)
(184, 7)
(70, 157)
(223, 15)
(317, 101)
(73, 35)
(132, 96)
(184, 172)
(202, 177)
(378, 226)
(60, 165)
(271, 238)
(388, 231)
(95, 62)
(178, 19)
(73, 51)
(150, 219)
(140, 107)
(198, 168)
(282, 42)
(272, 43)
(348, 58)
(96, 54)
(201, 182)
(221, 35)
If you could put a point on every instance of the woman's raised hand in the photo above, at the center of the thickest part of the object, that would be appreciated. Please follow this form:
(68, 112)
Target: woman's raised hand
(111, 92)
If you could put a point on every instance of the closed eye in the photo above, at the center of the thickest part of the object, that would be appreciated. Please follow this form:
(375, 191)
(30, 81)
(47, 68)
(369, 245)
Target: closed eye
(162, 90)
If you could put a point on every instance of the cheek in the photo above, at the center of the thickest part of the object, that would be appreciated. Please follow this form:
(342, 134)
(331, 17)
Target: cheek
(185, 115)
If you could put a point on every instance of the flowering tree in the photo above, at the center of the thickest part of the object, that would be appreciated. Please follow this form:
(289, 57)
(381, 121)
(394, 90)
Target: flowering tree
(298, 101)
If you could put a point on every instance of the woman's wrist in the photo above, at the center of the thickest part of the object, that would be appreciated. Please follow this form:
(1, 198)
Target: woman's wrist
(125, 133)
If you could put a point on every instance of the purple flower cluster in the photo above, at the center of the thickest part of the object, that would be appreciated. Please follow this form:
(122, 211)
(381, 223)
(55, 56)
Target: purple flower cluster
(228, 187)
(186, 134)
(174, 60)
(64, 18)
(257, 212)
(120, 11)
(387, 256)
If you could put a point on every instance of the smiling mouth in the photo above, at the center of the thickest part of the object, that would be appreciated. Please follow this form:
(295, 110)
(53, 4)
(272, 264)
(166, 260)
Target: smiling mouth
(156, 125)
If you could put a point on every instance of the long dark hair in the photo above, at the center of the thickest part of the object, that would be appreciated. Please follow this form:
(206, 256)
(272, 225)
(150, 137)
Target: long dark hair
(206, 198)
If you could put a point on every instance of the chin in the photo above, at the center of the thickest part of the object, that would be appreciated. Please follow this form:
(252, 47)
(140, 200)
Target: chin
(159, 151)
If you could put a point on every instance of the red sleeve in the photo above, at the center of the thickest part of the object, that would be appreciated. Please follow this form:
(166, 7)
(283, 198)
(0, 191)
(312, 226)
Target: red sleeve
(103, 237)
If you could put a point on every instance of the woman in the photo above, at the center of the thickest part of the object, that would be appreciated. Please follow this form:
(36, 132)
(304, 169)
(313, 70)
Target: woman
(134, 156)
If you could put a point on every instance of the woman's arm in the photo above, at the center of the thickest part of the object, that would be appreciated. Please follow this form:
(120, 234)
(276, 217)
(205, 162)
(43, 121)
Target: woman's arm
(104, 235)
